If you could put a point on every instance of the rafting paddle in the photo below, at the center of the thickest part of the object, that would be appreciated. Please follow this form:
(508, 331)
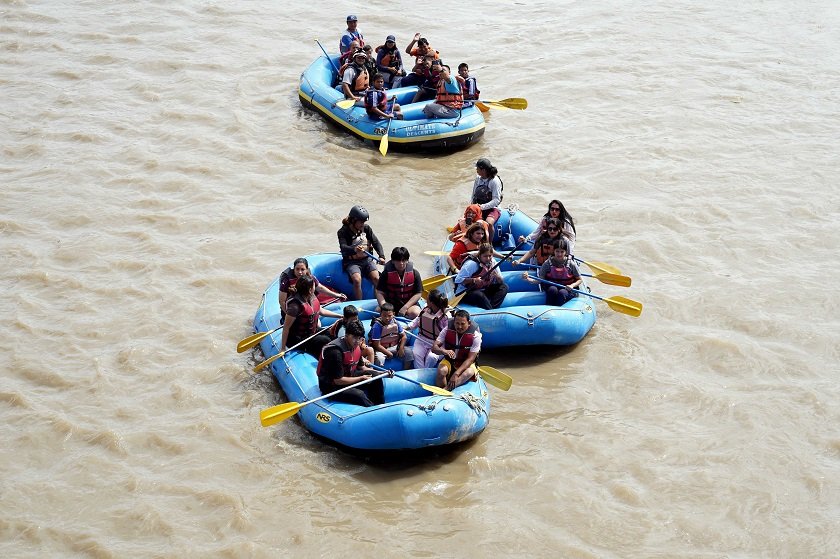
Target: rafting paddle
(603, 277)
(274, 358)
(616, 303)
(433, 389)
(516, 103)
(457, 298)
(254, 339)
(276, 414)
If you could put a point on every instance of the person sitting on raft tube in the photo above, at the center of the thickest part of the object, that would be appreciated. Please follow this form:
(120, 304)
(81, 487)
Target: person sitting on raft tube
(469, 86)
(449, 100)
(376, 101)
(459, 344)
(556, 210)
(400, 284)
(484, 284)
(351, 313)
(487, 192)
(559, 269)
(289, 277)
(341, 365)
(424, 54)
(432, 320)
(355, 240)
(356, 79)
(475, 236)
(388, 338)
(351, 34)
(472, 214)
(302, 318)
(541, 251)
(389, 62)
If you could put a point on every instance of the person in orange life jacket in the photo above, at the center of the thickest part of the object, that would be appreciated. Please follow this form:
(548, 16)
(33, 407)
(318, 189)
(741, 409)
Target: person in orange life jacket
(302, 318)
(556, 210)
(289, 277)
(449, 99)
(431, 322)
(355, 79)
(389, 62)
(355, 238)
(541, 251)
(459, 344)
(472, 214)
(421, 53)
(485, 288)
(341, 364)
(487, 192)
(428, 88)
(469, 86)
(388, 338)
(350, 314)
(475, 236)
(376, 101)
(559, 269)
(352, 34)
(400, 284)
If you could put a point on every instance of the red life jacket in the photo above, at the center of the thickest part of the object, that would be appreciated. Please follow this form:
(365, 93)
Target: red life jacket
(349, 358)
(482, 270)
(390, 334)
(398, 289)
(460, 345)
(429, 325)
(560, 274)
(306, 322)
(459, 260)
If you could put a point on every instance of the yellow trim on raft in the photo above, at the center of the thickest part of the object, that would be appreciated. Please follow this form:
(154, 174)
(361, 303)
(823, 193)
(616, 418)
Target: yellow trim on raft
(327, 112)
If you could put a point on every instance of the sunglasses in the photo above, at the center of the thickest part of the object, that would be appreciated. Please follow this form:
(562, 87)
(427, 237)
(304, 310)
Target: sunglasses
(552, 229)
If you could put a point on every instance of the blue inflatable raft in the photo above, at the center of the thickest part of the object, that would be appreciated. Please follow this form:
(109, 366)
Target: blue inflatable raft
(414, 133)
(524, 318)
(410, 418)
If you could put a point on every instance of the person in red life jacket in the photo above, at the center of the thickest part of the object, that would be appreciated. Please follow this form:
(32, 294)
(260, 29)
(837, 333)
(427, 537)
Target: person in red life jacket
(376, 101)
(484, 284)
(487, 192)
(472, 214)
(350, 314)
(541, 251)
(355, 79)
(387, 337)
(341, 364)
(459, 344)
(475, 236)
(389, 62)
(289, 277)
(423, 55)
(556, 210)
(400, 284)
(432, 320)
(352, 34)
(559, 269)
(355, 240)
(347, 58)
(469, 86)
(449, 100)
(302, 318)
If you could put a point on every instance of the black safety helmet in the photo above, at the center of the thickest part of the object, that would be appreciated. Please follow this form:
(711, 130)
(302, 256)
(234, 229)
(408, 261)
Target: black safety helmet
(358, 212)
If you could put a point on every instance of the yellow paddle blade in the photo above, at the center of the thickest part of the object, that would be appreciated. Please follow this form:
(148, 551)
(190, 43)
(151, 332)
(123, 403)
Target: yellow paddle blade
(383, 145)
(434, 281)
(517, 103)
(601, 267)
(496, 378)
(495, 105)
(345, 103)
(624, 305)
(612, 279)
(436, 252)
(457, 299)
(276, 414)
(450, 229)
(268, 362)
(436, 390)
(252, 340)
(482, 107)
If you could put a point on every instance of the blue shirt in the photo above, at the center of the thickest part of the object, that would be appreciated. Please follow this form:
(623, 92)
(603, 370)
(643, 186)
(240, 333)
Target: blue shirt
(348, 38)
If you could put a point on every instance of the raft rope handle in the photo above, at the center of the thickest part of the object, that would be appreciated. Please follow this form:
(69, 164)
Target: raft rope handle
(474, 403)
